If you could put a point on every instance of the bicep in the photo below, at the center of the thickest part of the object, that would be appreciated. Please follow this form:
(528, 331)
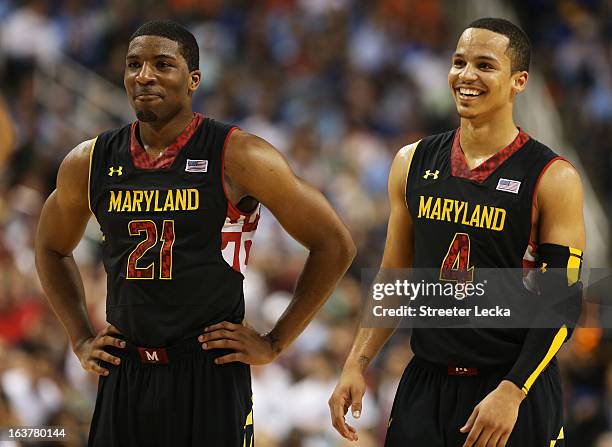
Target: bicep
(66, 212)
(399, 244)
(303, 211)
(7, 133)
(61, 226)
(561, 213)
(399, 247)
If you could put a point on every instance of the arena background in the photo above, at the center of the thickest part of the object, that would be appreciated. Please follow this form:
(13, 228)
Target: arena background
(338, 86)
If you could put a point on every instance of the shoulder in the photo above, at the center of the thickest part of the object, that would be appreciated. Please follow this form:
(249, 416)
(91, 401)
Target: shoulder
(252, 164)
(245, 141)
(402, 159)
(559, 175)
(78, 158)
(73, 174)
(400, 169)
(406, 152)
(249, 151)
(558, 182)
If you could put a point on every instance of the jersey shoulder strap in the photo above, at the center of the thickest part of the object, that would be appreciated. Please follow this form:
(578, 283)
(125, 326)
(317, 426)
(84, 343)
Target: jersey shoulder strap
(430, 159)
(107, 151)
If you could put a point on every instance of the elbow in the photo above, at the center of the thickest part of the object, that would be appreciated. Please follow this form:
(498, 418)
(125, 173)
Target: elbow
(335, 245)
(351, 250)
(42, 253)
(345, 247)
(39, 254)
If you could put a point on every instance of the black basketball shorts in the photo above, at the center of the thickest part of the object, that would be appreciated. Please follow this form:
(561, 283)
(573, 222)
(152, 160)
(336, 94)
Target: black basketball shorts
(433, 402)
(172, 397)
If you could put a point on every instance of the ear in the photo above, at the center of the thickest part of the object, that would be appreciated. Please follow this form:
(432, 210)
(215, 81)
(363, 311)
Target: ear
(195, 77)
(519, 81)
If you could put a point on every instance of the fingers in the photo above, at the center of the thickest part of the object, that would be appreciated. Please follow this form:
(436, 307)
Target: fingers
(103, 355)
(337, 407)
(92, 353)
(494, 439)
(503, 440)
(483, 439)
(223, 325)
(470, 422)
(219, 334)
(356, 406)
(104, 339)
(110, 341)
(93, 362)
(473, 435)
(110, 329)
(229, 358)
(223, 344)
(95, 367)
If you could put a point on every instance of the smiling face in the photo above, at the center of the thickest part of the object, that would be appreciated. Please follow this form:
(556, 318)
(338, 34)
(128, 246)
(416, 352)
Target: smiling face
(157, 80)
(480, 77)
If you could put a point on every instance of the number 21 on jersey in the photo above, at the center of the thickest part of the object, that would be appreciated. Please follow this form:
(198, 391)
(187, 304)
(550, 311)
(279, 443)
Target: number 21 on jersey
(148, 229)
(456, 263)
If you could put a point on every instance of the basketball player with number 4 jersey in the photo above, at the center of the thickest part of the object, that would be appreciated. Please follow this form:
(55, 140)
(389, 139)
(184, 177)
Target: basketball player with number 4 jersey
(486, 195)
(177, 196)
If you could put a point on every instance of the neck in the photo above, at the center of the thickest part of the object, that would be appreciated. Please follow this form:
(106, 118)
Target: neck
(158, 136)
(485, 138)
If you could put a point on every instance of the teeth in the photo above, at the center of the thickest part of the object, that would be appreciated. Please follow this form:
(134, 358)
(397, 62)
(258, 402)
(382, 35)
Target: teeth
(469, 91)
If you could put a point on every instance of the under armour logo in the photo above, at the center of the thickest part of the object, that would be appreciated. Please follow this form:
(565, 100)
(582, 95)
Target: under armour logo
(434, 174)
(543, 267)
(112, 170)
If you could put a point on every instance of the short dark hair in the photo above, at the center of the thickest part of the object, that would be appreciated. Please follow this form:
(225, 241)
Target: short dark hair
(519, 48)
(173, 31)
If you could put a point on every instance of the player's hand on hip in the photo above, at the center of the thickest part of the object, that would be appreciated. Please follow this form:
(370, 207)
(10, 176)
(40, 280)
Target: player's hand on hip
(91, 350)
(493, 419)
(349, 392)
(249, 346)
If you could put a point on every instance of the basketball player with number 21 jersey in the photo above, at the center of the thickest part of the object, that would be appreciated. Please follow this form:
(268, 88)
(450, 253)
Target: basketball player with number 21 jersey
(486, 195)
(177, 196)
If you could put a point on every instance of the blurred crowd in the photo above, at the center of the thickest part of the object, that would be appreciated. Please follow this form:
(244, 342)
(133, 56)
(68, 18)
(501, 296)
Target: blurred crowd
(338, 86)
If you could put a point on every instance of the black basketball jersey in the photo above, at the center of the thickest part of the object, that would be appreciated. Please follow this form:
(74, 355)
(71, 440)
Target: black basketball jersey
(465, 219)
(174, 247)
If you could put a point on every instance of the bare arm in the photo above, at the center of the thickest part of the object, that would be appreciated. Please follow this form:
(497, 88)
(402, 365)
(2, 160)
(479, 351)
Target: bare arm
(62, 224)
(558, 205)
(7, 134)
(259, 171)
(398, 254)
(399, 250)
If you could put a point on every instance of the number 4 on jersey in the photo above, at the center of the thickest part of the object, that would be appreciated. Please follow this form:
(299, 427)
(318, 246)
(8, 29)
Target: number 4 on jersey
(456, 264)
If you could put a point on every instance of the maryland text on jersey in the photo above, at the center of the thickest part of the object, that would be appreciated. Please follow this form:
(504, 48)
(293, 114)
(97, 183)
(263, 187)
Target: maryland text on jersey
(459, 211)
(155, 200)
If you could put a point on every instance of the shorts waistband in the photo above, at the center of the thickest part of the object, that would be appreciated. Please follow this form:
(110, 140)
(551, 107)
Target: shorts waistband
(158, 355)
(461, 370)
